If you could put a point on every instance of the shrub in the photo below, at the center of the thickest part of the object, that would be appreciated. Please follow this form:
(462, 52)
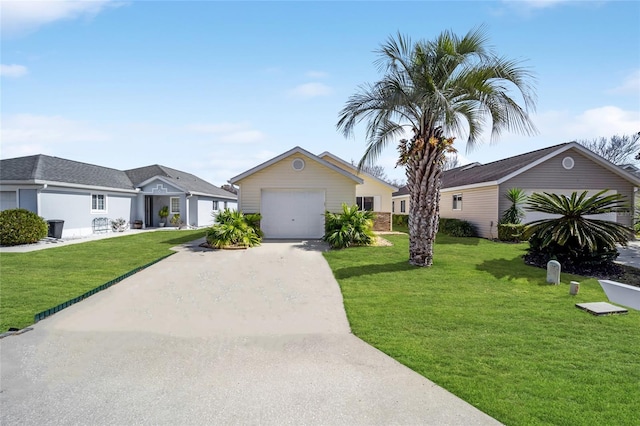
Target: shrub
(401, 219)
(514, 214)
(233, 229)
(573, 239)
(511, 232)
(118, 225)
(351, 227)
(456, 227)
(176, 221)
(20, 226)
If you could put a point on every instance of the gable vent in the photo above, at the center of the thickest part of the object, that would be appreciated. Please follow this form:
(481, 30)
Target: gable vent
(297, 164)
(568, 163)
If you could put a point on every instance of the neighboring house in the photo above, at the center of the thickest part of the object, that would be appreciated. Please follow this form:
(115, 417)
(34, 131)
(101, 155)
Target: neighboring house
(293, 191)
(373, 194)
(476, 193)
(78, 193)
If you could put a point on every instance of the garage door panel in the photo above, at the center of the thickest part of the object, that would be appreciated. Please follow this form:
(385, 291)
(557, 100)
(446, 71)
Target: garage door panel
(8, 200)
(292, 214)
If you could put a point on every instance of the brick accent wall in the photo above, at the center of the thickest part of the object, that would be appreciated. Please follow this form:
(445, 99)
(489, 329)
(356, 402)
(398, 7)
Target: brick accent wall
(382, 221)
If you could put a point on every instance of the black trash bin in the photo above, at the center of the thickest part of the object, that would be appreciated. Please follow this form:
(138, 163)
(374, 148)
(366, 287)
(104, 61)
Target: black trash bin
(55, 228)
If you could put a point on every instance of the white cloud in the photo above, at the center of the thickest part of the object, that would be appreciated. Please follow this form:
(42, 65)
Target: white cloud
(604, 121)
(310, 90)
(20, 17)
(13, 70)
(27, 134)
(317, 74)
(630, 85)
(229, 132)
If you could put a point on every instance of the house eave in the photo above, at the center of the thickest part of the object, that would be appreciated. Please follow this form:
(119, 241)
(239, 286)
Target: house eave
(295, 150)
(341, 161)
(470, 186)
(68, 185)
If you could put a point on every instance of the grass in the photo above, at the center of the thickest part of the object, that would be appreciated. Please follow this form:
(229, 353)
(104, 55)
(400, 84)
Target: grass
(488, 328)
(35, 281)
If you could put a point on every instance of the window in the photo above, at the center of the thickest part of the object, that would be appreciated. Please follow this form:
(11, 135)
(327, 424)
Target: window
(457, 201)
(175, 205)
(365, 203)
(403, 206)
(215, 205)
(225, 205)
(393, 207)
(98, 203)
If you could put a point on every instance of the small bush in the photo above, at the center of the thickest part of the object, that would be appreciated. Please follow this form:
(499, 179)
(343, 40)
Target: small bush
(456, 227)
(400, 219)
(351, 227)
(234, 229)
(20, 226)
(512, 232)
(118, 225)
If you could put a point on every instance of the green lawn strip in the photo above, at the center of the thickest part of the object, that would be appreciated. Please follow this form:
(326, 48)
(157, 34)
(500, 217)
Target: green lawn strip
(488, 328)
(39, 280)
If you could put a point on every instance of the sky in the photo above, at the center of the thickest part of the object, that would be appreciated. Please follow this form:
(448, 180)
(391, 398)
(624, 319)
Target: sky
(215, 88)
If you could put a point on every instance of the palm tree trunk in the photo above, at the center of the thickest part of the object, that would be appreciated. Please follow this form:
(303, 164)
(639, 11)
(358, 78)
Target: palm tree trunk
(423, 176)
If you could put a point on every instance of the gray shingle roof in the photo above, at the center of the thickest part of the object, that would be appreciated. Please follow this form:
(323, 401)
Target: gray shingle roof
(461, 176)
(185, 181)
(53, 169)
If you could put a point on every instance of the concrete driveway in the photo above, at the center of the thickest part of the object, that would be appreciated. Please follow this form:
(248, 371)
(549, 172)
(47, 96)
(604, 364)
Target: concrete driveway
(256, 336)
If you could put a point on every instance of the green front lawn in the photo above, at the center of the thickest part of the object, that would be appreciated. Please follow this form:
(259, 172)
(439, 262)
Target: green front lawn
(35, 281)
(489, 329)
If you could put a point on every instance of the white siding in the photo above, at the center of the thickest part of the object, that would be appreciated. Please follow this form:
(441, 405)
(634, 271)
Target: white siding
(338, 188)
(398, 203)
(479, 206)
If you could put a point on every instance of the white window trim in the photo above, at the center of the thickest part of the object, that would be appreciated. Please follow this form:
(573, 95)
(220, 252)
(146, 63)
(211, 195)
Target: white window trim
(105, 203)
(457, 204)
(216, 205)
(171, 211)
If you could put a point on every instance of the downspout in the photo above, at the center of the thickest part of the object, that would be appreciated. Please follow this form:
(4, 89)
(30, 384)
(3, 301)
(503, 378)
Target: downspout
(186, 210)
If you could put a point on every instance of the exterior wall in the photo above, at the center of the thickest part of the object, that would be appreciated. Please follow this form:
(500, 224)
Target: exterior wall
(585, 175)
(369, 188)
(281, 175)
(479, 206)
(74, 207)
(397, 203)
(8, 200)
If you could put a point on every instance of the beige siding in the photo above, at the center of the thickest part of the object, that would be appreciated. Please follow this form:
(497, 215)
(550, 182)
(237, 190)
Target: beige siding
(479, 206)
(369, 188)
(397, 200)
(338, 188)
(585, 175)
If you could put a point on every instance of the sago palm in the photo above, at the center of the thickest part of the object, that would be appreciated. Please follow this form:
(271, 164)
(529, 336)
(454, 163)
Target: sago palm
(573, 236)
(437, 90)
(351, 227)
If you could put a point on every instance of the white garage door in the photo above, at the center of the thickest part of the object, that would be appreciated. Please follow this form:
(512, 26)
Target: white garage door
(292, 214)
(8, 200)
(532, 216)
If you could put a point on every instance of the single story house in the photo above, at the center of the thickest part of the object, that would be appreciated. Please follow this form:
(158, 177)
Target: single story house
(476, 192)
(79, 193)
(293, 190)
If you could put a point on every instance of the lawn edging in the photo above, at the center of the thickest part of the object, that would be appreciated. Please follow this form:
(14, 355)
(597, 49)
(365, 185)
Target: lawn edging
(44, 314)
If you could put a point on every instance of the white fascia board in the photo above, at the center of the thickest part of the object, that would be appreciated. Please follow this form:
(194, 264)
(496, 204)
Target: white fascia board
(352, 167)
(471, 186)
(205, 194)
(293, 151)
(71, 185)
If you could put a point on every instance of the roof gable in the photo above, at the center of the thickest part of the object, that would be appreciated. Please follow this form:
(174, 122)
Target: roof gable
(354, 169)
(293, 151)
(187, 182)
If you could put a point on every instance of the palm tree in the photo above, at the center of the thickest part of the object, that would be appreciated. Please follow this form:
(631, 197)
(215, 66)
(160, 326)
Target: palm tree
(574, 237)
(436, 89)
(514, 213)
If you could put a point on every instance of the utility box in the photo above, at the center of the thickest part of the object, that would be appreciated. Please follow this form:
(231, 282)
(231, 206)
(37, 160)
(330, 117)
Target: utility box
(55, 228)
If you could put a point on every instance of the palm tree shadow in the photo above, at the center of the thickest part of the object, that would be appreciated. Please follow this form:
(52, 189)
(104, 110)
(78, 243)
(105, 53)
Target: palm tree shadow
(357, 271)
(512, 269)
